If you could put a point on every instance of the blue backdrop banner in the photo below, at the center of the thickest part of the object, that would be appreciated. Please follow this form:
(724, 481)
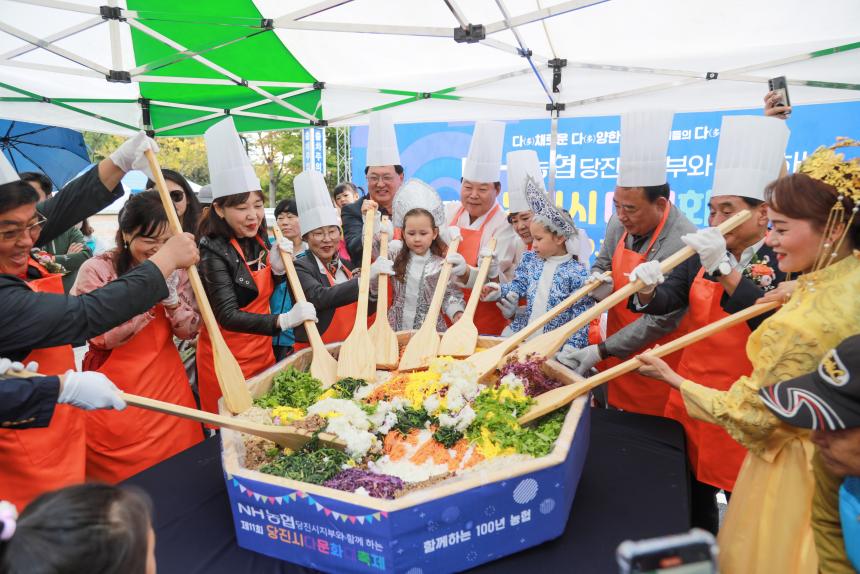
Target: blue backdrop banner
(587, 155)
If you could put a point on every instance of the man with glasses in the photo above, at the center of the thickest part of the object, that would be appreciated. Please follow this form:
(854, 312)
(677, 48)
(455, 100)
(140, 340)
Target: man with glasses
(384, 178)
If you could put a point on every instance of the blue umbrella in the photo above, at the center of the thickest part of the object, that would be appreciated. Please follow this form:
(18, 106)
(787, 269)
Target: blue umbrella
(59, 153)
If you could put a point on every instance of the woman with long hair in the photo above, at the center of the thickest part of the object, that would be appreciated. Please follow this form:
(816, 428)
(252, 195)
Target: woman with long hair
(188, 207)
(139, 355)
(814, 233)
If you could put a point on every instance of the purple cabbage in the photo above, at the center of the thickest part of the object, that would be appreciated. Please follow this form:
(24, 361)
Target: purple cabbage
(535, 381)
(377, 485)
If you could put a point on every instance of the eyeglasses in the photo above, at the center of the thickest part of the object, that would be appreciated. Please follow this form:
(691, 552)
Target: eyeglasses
(33, 229)
(177, 196)
(374, 179)
(322, 234)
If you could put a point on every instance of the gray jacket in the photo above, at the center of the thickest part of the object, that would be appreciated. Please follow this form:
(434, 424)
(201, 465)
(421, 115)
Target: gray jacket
(647, 329)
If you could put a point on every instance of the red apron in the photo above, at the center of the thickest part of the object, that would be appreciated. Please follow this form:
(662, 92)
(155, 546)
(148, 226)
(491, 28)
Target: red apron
(488, 318)
(717, 362)
(633, 392)
(121, 444)
(252, 351)
(38, 460)
(344, 317)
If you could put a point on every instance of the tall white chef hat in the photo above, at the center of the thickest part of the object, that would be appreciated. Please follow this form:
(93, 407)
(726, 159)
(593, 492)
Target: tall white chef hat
(484, 163)
(644, 143)
(522, 166)
(382, 141)
(313, 202)
(750, 155)
(417, 194)
(230, 170)
(7, 172)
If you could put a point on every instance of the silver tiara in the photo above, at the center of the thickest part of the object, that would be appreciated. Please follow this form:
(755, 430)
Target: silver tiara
(558, 221)
(417, 194)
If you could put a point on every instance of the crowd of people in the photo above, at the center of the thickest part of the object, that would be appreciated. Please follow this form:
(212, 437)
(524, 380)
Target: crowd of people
(747, 397)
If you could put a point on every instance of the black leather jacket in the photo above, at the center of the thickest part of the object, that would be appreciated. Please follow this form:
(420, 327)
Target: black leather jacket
(230, 286)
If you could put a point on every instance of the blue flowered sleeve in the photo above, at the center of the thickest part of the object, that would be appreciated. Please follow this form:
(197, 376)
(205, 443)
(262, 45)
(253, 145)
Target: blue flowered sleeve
(520, 282)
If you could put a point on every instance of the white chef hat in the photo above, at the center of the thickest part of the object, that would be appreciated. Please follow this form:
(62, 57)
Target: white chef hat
(230, 170)
(7, 172)
(484, 163)
(750, 155)
(522, 165)
(382, 141)
(644, 144)
(417, 194)
(313, 202)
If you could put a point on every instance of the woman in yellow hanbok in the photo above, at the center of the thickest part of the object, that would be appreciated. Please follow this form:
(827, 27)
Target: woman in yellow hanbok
(768, 526)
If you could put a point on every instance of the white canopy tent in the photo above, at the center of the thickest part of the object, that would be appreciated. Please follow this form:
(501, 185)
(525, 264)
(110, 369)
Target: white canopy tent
(89, 66)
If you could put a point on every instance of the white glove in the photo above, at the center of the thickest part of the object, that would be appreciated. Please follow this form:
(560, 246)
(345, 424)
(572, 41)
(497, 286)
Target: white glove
(710, 244)
(300, 313)
(493, 295)
(275, 259)
(172, 299)
(650, 274)
(386, 227)
(89, 391)
(508, 305)
(579, 360)
(459, 267)
(6, 365)
(494, 261)
(606, 287)
(449, 233)
(383, 266)
(130, 156)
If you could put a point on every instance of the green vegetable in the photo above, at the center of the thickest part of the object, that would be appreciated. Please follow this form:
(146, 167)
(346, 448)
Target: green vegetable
(447, 436)
(291, 388)
(410, 418)
(308, 466)
(346, 387)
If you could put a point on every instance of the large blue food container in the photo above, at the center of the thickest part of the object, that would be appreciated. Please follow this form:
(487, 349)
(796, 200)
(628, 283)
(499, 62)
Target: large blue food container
(455, 525)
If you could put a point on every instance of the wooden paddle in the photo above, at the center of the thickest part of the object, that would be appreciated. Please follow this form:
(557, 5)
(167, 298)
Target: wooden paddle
(387, 350)
(547, 344)
(551, 400)
(323, 366)
(424, 344)
(461, 338)
(285, 436)
(227, 369)
(358, 353)
(486, 361)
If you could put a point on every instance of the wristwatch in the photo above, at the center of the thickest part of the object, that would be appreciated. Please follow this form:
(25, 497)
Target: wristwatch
(724, 268)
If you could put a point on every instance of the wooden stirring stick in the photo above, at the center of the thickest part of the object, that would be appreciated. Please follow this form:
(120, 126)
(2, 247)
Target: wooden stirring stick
(424, 344)
(357, 353)
(461, 338)
(552, 400)
(387, 349)
(549, 343)
(486, 361)
(323, 365)
(227, 369)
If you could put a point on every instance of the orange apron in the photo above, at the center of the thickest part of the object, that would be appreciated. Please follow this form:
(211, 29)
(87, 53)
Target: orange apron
(717, 362)
(252, 351)
(344, 317)
(38, 460)
(633, 392)
(121, 444)
(488, 318)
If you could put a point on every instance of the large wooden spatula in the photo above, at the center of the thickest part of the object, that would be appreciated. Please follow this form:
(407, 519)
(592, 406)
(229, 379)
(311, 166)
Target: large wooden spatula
(227, 369)
(424, 344)
(461, 338)
(556, 398)
(549, 343)
(384, 339)
(323, 365)
(357, 358)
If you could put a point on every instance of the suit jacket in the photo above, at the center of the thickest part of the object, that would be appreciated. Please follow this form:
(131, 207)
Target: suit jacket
(353, 224)
(324, 297)
(674, 292)
(28, 403)
(648, 328)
